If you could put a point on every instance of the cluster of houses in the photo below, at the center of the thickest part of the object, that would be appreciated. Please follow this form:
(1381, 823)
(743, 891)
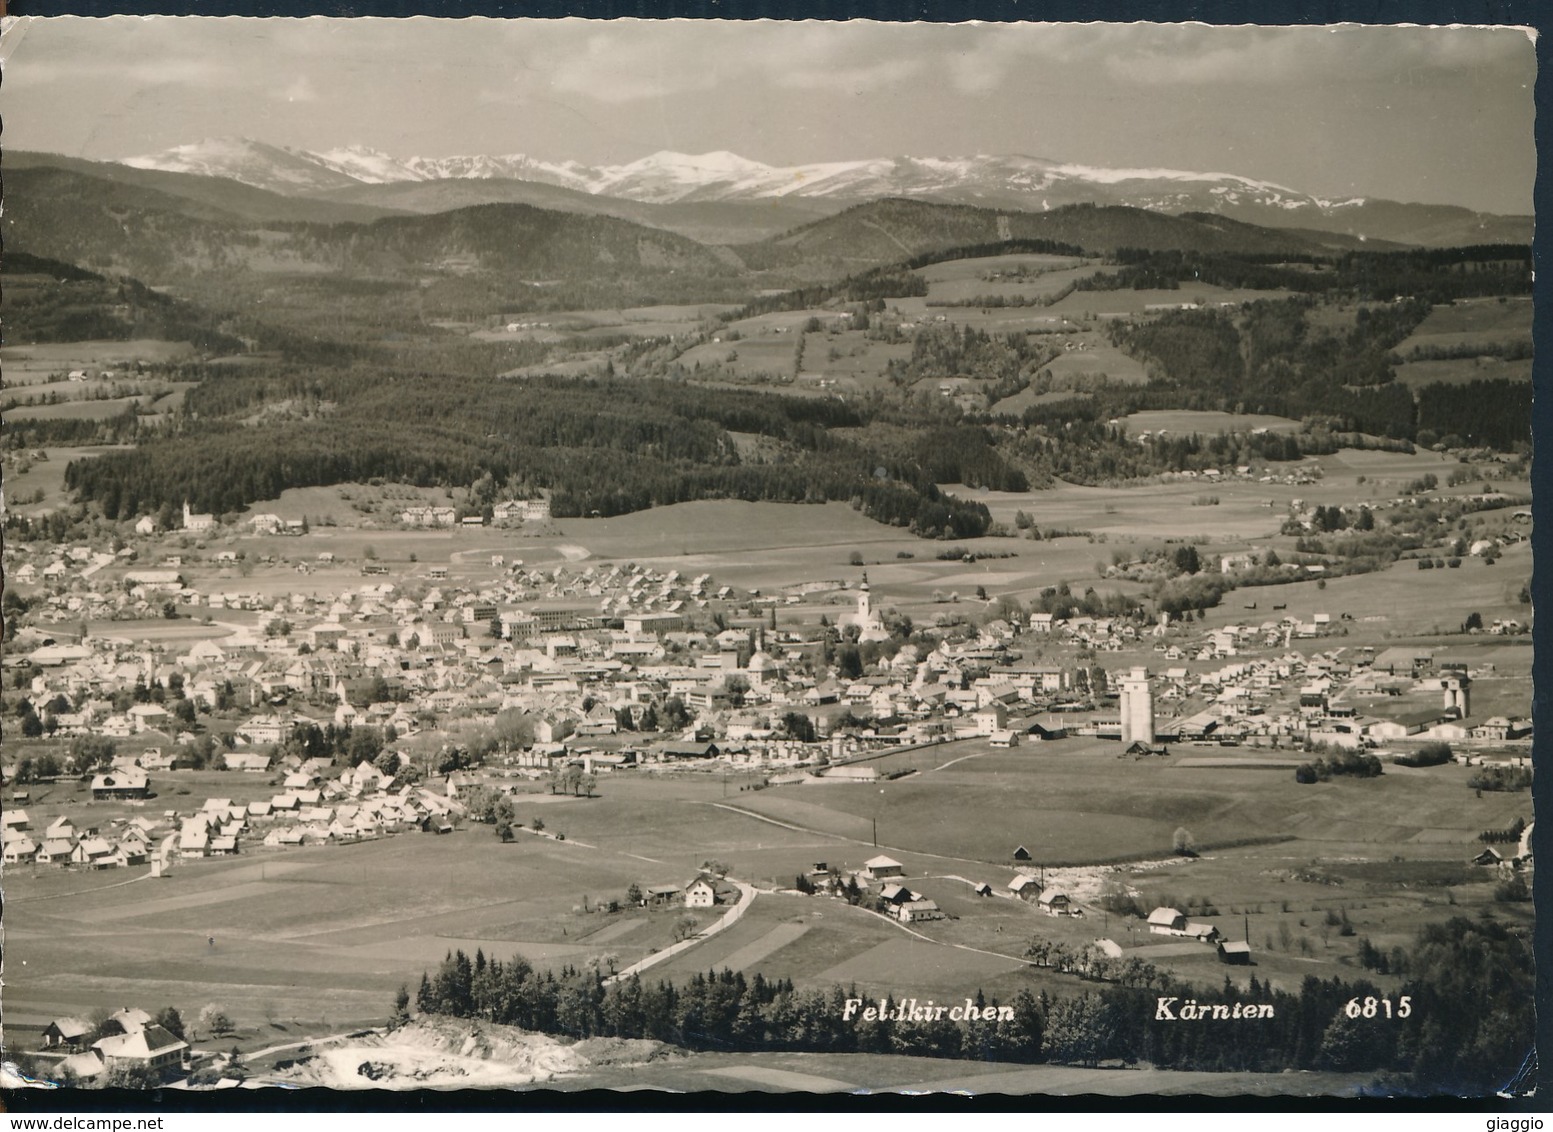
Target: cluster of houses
(587, 653)
(311, 808)
(119, 844)
(505, 513)
(129, 1037)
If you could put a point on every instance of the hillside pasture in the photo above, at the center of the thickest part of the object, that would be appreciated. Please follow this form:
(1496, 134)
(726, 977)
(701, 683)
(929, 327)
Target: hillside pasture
(1400, 600)
(40, 362)
(79, 410)
(48, 476)
(1138, 512)
(1488, 323)
(1131, 304)
(1079, 803)
(1016, 405)
(962, 281)
(849, 359)
(766, 357)
(1462, 370)
(577, 325)
(1092, 362)
(1185, 422)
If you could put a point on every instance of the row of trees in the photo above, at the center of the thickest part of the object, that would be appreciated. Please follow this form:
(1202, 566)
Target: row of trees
(1351, 764)
(1469, 1023)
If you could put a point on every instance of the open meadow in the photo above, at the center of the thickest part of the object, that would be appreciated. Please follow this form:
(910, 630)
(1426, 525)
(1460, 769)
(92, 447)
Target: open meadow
(1485, 323)
(319, 937)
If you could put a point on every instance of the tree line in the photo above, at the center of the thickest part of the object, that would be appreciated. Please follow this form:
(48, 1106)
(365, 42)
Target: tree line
(1467, 1023)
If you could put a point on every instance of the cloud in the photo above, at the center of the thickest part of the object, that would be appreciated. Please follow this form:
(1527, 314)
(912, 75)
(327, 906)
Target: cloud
(625, 61)
(1202, 56)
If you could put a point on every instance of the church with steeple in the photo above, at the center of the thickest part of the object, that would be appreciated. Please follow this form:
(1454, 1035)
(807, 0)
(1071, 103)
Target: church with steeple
(869, 626)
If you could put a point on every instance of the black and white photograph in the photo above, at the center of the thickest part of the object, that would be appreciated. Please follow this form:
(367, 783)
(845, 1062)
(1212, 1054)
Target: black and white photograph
(766, 557)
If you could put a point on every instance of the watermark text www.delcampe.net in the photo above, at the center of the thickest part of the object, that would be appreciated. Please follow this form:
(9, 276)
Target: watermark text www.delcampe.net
(90, 1124)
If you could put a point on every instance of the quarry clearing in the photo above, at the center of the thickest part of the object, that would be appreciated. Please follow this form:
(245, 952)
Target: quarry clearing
(443, 1053)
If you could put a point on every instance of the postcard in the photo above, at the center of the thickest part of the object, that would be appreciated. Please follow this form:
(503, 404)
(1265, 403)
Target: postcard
(767, 557)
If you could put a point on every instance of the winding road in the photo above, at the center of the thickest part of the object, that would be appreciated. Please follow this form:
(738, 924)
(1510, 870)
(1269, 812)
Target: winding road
(729, 918)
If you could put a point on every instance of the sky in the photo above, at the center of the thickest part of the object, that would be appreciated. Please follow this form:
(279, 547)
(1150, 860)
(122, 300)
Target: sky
(1433, 115)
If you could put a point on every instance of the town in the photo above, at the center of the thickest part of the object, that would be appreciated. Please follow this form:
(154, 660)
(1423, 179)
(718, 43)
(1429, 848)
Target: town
(246, 698)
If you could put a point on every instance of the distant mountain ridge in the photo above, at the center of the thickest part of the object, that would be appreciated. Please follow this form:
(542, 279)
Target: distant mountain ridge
(1027, 184)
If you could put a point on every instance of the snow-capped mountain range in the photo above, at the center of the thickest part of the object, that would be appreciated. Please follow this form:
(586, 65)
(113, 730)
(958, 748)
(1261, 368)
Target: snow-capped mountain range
(667, 177)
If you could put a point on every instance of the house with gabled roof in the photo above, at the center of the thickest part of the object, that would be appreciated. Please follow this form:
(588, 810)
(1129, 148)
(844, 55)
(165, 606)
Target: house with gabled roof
(19, 850)
(129, 783)
(1055, 903)
(66, 1033)
(700, 893)
(55, 851)
(194, 841)
(153, 1047)
(881, 867)
(93, 852)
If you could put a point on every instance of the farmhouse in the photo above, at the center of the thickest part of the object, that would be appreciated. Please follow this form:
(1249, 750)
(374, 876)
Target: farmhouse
(662, 893)
(1025, 887)
(700, 894)
(19, 849)
(919, 909)
(66, 1033)
(1169, 921)
(129, 783)
(1055, 903)
(1236, 952)
(152, 1047)
(880, 867)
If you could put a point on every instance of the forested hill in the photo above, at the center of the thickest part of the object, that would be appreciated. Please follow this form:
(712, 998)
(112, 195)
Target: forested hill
(113, 227)
(205, 197)
(604, 447)
(888, 231)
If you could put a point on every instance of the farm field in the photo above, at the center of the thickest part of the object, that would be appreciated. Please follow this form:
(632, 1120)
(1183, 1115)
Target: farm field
(81, 410)
(1462, 370)
(1486, 322)
(33, 363)
(874, 1073)
(1094, 362)
(638, 322)
(766, 358)
(326, 933)
(962, 281)
(1078, 803)
(1183, 422)
(1398, 602)
(1102, 304)
(849, 359)
(47, 476)
(1155, 511)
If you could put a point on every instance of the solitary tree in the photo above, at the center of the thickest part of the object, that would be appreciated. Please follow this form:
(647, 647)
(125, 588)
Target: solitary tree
(213, 1020)
(171, 1021)
(1183, 844)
